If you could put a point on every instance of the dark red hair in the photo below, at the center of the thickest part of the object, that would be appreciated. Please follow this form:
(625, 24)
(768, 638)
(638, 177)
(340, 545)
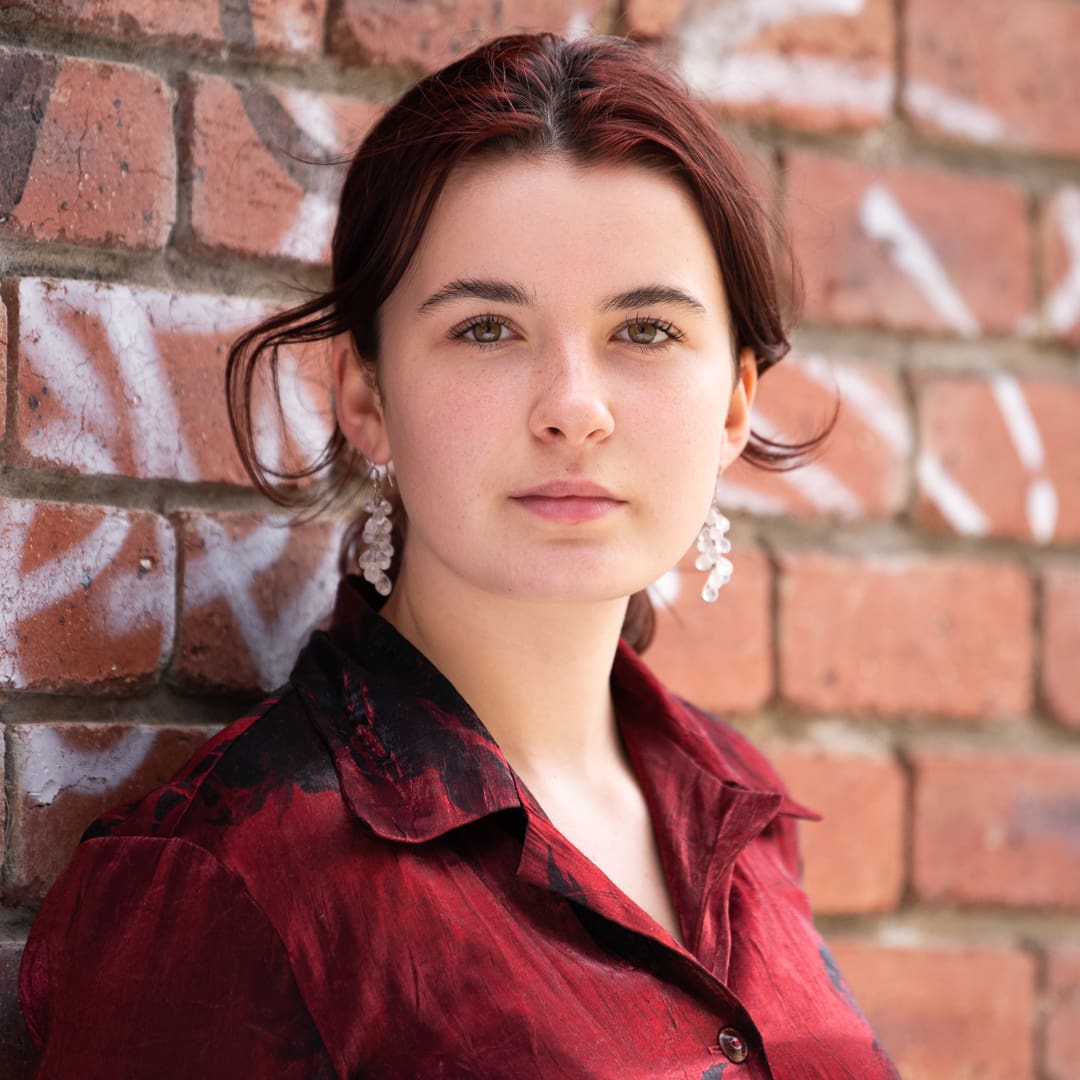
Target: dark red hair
(590, 100)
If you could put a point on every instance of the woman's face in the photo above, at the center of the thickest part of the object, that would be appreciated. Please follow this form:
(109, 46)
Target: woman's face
(557, 382)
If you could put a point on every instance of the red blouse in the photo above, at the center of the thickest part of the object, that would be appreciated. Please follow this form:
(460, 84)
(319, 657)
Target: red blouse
(352, 882)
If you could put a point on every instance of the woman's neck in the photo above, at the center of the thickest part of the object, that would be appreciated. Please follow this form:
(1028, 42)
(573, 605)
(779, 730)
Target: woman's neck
(536, 673)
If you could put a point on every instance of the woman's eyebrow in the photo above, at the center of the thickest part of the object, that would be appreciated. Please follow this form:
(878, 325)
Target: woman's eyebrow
(652, 294)
(495, 292)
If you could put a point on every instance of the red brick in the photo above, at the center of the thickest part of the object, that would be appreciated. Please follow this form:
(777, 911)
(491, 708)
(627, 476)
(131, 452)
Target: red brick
(17, 1054)
(997, 828)
(1061, 1035)
(263, 167)
(89, 154)
(909, 248)
(651, 18)
(253, 591)
(717, 655)
(249, 26)
(999, 456)
(947, 1013)
(906, 634)
(65, 775)
(129, 382)
(863, 471)
(426, 34)
(1061, 644)
(88, 596)
(1061, 264)
(3, 368)
(854, 858)
(776, 62)
(992, 71)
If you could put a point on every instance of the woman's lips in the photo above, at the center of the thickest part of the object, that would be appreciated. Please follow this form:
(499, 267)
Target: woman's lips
(569, 502)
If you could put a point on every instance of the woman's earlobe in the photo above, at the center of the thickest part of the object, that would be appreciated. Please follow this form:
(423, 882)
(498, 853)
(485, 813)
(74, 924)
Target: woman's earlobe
(357, 403)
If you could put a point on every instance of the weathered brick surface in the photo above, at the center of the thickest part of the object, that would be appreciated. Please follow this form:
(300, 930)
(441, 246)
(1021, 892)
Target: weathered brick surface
(947, 1013)
(863, 470)
(909, 248)
(1061, 1035)
(130, 382)
(264, 166)
(818, 69)
(854, 858)
(65, 775)
(991, 71)
(997, 828)
(253, 591)
(17, 1055)
(88, 156)
(1061, 644)
(999, 456)
(1061, 264)
(87, 595)
(3, 367)
(905, 634)
(717, 655)
(259, 26)
(651, 18)
(429, 33)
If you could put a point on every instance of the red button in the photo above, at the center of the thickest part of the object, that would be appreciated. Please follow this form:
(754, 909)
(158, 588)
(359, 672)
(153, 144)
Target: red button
(732, 1045)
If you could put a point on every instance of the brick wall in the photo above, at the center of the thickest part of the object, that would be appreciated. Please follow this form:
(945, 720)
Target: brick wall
(903, 628)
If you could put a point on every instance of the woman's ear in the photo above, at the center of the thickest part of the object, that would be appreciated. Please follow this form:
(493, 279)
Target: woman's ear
(357, 402)
(737, 424)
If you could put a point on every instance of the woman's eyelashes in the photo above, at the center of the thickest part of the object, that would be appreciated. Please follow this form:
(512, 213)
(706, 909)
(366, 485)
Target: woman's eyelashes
(646, 332)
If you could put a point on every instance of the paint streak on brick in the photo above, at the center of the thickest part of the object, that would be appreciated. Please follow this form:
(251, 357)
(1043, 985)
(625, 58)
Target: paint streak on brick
(87, 594)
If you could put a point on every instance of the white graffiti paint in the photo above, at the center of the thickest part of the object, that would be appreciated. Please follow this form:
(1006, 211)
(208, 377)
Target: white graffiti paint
(25, 594)
(957, 507)
(1040, 502)
(131, 320)
(227, 569)
(883, 219)
(61, 360)
(710, 28)
(818, 484)
(665, 590)
(579, 25)
(307, 236)
(953, 114)
(864, 397)
(740, 497)
(1063, 304)
(757, 78)
(49, 765)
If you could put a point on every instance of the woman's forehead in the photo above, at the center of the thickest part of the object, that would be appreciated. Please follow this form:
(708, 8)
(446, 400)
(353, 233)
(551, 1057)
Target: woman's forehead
(548, 223)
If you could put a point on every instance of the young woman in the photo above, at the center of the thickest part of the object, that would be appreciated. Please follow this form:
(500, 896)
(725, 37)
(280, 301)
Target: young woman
(473, 836)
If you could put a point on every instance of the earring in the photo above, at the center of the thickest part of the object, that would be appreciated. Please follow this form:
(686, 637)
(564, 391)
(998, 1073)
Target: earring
(713, 544)
(377, 534)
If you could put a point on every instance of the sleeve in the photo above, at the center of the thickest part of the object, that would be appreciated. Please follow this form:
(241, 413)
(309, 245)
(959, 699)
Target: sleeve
(149, 958)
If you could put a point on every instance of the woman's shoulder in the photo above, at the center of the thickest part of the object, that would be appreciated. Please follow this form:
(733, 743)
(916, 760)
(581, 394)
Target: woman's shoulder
(268, 770)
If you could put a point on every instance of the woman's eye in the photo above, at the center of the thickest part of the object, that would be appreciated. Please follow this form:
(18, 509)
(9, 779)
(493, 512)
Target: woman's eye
(647, 332)
(485, 330)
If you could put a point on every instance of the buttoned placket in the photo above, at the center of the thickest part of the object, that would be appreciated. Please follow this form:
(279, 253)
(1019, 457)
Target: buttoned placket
(549, 861)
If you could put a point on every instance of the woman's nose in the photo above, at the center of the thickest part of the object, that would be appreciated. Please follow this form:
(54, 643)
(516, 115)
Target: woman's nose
(572, 400)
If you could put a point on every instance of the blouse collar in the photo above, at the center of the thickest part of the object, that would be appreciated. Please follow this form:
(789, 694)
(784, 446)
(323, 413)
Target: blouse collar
(413, 759)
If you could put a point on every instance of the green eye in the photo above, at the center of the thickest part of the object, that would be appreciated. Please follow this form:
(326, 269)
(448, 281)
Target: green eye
(642, 333)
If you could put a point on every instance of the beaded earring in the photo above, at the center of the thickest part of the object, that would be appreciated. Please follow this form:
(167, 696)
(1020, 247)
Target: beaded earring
(378, 533)
(713, 544)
